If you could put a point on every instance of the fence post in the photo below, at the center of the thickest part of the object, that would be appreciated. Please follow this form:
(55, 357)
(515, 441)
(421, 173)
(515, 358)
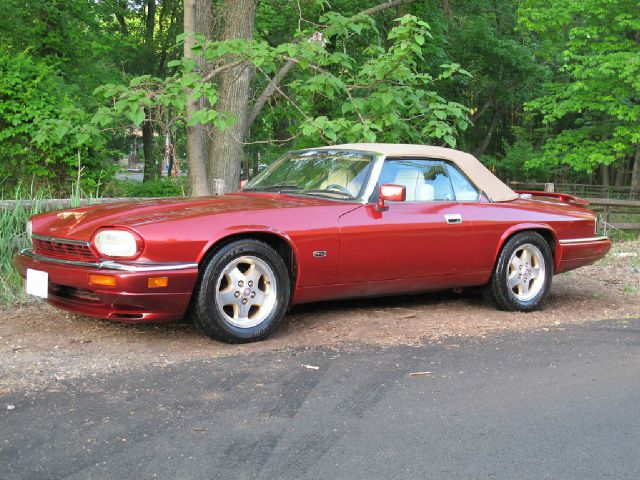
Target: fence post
(549, 187)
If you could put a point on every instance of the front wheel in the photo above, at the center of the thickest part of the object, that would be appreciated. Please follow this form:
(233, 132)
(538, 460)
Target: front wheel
(243, 292)
(522, 275)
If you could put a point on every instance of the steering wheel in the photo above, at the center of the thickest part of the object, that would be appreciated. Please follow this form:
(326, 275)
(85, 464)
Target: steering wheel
(340, 188)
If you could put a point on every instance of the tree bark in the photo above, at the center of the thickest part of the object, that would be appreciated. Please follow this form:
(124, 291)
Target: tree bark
(150, 163)
(635, 171)
(604, 178)
(120, 9)
(150, 22)
(384, 5)
(197, 18)
(487, 138)
(270, 89)
(234, 92)
(619, 181)
(446, 8)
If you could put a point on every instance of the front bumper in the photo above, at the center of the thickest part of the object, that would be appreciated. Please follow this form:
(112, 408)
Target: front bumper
(131, 300)
(578, 252)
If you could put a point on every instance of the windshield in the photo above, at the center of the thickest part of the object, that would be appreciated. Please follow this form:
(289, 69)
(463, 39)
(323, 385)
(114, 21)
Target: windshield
(327, 173)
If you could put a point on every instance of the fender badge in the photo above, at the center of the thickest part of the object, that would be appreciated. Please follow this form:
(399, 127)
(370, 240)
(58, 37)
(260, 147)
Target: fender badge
(320, 253)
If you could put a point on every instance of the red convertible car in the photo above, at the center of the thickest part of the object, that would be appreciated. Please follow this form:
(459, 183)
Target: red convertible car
(324, 223)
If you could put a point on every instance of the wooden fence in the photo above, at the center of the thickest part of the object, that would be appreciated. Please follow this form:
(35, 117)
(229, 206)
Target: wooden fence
(612, 210)
(579, 189)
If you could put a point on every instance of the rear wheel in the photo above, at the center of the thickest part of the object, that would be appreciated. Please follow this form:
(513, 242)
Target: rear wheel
(243, 292)
(522, 275)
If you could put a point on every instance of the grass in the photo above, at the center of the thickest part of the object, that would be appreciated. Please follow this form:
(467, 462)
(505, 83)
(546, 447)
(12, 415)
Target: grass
(13, 237)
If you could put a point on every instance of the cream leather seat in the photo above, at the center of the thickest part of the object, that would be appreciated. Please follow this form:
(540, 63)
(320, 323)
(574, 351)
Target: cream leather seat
(425, 192)
(418, 190)
(344, 178)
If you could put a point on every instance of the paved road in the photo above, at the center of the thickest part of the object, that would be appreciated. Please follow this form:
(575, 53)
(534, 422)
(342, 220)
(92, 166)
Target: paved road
(562, 404)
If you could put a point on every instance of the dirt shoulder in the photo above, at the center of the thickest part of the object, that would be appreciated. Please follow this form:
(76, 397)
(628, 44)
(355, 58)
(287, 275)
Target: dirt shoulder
(40, 346)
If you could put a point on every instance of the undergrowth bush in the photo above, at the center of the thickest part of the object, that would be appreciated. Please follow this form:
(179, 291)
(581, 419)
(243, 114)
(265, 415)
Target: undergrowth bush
(13, 237)
(164, 187)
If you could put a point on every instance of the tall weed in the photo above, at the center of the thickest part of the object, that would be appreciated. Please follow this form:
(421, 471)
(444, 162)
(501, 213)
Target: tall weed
(13, 237)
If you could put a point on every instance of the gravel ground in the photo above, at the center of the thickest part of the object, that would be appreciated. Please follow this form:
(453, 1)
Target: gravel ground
(41, 346)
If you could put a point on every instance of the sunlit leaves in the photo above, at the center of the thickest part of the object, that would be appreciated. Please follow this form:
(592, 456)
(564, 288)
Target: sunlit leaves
(377, 94)
(43, 128)
(595, 97)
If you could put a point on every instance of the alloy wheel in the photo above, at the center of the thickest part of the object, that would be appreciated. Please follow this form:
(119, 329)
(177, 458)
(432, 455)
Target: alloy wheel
(246, 291)
(526, 272)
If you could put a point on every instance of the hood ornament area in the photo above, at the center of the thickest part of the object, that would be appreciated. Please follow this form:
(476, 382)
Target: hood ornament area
(76, 215)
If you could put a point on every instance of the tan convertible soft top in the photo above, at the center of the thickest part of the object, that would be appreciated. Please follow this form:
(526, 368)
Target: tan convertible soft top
(480, 175)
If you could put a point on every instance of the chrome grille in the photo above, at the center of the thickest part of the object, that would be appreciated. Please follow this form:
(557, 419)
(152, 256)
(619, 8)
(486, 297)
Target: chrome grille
(62, 248)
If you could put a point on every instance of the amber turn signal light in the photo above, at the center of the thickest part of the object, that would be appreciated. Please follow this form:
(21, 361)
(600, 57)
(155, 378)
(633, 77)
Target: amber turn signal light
(157, 282)
(102, 280)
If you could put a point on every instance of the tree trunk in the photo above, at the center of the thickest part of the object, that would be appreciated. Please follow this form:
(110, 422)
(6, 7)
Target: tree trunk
(620, 175)
(121, 9)
(635, 171)
(234, 94)
(604, 171)
(446, 8)
(487, 138)
(197, 18)
(150, 164)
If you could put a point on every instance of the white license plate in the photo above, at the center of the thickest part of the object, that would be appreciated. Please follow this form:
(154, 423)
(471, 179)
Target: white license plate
(37, 283)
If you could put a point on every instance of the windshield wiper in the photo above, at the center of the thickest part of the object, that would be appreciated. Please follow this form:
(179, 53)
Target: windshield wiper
(322, 191)
(280, 187)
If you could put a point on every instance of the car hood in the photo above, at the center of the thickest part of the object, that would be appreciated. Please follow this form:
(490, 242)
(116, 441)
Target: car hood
(81, 223)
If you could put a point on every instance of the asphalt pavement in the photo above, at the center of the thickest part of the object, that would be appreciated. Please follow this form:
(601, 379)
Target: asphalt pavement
(556, 404)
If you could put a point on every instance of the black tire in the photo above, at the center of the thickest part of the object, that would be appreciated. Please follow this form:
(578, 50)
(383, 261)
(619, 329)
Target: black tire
(498, 292)
(206, 312)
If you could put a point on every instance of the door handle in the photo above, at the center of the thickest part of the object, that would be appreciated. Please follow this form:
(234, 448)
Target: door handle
(453, 218)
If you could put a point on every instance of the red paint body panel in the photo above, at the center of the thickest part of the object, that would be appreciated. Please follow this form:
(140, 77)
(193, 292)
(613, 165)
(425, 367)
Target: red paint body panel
(581, 254)
(129, 301)
(407, 248)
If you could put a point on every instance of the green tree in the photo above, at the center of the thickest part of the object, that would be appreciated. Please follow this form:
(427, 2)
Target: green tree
(345, 87)
(591, 108)
(42, 128)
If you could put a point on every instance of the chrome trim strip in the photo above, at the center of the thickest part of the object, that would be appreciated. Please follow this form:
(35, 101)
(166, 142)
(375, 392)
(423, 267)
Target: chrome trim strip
(112, 264)
(570, 241)
(61, 240)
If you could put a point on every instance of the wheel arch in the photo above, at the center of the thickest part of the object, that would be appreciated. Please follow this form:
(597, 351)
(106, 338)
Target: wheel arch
(545, 230)
(279, 241)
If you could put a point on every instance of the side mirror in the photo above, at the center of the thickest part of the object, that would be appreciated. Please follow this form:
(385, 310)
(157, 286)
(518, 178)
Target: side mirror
(243, 183)
(391, 193)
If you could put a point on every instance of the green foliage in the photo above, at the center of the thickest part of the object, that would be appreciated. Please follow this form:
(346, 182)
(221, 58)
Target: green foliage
(13, 237)
(378, 94)
(591, 107)
(162, 187)
(42, 127)
(77, 75)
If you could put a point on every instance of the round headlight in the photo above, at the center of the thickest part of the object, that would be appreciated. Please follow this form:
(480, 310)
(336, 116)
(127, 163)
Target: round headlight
(29, 229)
(116, 243)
